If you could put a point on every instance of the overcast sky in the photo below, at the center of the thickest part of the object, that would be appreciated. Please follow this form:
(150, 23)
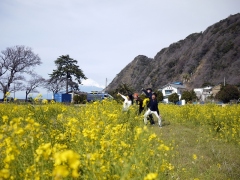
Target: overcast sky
(104, 35)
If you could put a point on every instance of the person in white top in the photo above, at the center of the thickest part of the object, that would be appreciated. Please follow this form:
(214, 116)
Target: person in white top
(127, 101)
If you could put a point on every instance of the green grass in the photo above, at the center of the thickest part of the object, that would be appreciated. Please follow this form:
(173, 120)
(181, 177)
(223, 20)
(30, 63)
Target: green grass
(216, 159)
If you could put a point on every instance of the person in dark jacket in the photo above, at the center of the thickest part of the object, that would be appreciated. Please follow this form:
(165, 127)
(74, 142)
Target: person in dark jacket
(153, 109)
(148, 93)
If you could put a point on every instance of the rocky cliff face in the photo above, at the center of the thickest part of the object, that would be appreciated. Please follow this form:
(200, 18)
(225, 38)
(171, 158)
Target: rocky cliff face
(206, 57)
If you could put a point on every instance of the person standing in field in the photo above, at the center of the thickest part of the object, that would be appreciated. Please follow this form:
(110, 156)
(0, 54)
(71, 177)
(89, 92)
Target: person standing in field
(139, 102)
(128, 101)
(153, 109)
(148, 93)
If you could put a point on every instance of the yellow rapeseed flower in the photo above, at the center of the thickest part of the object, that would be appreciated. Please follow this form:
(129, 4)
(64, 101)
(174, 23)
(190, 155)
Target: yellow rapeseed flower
(194, 156)
(4, 173)
(152, 136)
(7, 94)
(45, 101)
(60, 172)
(151, 176)
(5, 119)
(67, 156)
(163, 147)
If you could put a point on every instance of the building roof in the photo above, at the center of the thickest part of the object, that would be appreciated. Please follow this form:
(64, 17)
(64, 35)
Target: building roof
(175, 85)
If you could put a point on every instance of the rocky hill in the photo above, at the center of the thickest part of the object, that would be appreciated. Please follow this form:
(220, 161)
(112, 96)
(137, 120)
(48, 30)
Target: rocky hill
(205, 57)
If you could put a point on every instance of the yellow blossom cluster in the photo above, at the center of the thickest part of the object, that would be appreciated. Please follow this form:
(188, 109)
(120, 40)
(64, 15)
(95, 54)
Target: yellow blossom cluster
(223, 122)
(96, 141)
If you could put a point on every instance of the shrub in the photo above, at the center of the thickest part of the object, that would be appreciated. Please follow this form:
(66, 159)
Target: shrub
(189, 96)
(173, 98)
(227, 93)
(80, 99)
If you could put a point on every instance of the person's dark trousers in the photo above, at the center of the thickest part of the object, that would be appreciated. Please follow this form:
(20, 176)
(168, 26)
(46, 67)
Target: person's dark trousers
(140, 109)
(151, 119)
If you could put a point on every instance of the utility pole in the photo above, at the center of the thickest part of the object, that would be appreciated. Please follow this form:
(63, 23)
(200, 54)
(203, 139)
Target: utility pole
(106, 84)
(224, 81)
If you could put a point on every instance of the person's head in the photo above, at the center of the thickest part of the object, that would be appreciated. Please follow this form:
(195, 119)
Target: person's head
(149, 90)
(154, 95)
(135, 95)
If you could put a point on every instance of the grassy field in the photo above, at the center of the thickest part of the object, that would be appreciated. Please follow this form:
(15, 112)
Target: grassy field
(198, 155)
(206, 140)
(99, 141)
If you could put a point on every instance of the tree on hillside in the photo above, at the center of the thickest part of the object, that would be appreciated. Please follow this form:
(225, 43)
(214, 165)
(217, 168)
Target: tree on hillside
(14, 61)
(67, 68)
(227, 93)
(186, 77)
(32, 85)
(174, 98)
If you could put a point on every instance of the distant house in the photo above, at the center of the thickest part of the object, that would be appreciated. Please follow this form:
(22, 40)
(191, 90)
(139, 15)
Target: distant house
(203, 93)
(170, 88)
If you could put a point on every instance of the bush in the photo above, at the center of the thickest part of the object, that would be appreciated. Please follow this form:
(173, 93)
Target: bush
(189, 96)
(159, 96)
(80, 99)
(227, 93)
(173, 98)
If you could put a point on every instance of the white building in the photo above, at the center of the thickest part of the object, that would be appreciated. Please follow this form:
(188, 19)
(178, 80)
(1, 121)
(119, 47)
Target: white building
(171, 88)
(203, 93)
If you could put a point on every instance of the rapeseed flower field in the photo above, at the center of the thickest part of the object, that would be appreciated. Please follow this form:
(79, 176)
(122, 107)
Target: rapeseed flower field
(100, 141)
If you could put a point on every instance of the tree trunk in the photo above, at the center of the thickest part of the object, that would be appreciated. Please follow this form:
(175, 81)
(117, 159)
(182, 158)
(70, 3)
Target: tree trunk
(5, 90)
(67, 84)
(26, 96)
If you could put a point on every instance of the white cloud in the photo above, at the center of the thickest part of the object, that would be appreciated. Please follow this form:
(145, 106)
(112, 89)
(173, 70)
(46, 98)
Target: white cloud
(91, 82)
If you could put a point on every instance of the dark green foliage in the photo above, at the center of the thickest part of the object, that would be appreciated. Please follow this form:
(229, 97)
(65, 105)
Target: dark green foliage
(189, 96)
(159, 96)
(186, 95)
(227, 93)
(193, 95)
(173, 98)
(80, 99)
(67, 68)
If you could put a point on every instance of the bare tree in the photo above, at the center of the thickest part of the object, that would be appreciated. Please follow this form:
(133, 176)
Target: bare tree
(32, 84)
(16, 86)
(55, 85)
(14, 61)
